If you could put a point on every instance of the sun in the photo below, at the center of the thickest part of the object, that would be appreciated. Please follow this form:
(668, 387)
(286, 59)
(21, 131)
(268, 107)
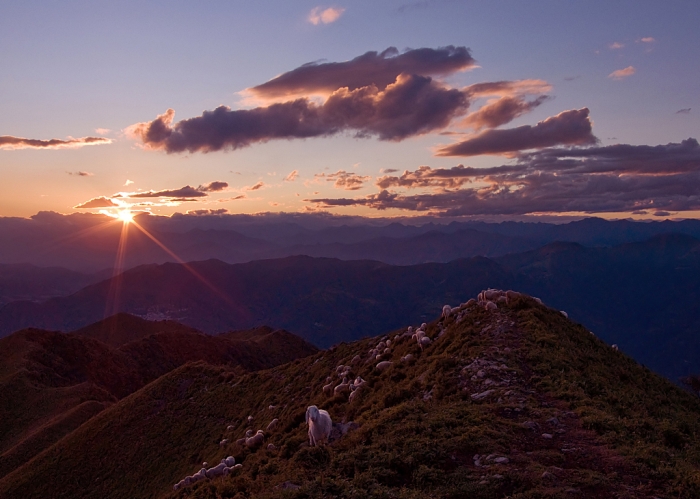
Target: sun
(125, 216)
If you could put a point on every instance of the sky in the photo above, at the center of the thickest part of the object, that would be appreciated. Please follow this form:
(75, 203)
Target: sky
(431, 108)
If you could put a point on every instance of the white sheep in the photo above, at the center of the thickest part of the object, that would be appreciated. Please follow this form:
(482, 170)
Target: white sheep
(250, 419)
(256, 440)
(387, 351)
(564, 314)
(407, 358)
(383, 365)
(223, 442)
(353, 394)
(615, 347)
(424, 342)
(320, 425)
(342, 388)
(470, 302)
(273, 424)
(271, 407)
(491, 305)
(229, 427)
(328, 389)
(205, 464)
(388, 343)
(355, 359)
(215, 471)
(271, 447)
(229, 461)
(240, 441)
(446, 311)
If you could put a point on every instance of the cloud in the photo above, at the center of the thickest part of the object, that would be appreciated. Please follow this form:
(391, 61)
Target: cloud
(621, 178)
(181, 194)
(199, 213)
(319, 15)
(501, 111)
(661, 213)
(215, 186)
(508, 88)
(370, 69)
(616, 46)
(621, 74)
(412, 105)
(81, 174)
(102, 131)
(292, 176)
(683, 111)
(235, 198)
(255, 187)
(647, 39)
(9, 142)
(128, 182)
(567, 128)
(99, 202)
(345, 180)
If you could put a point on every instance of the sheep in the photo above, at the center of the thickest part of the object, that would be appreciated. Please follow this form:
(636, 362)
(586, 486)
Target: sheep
(491, 305)
(320, 425)
(353, 394)
(273, 424)
(407, 358)
(250, 419)
(381, 345)
(205, 464)
(271, 447)
(355, 359)
(328, 389)
(223, 442)
(271, 407)
(615, 347)
(424, 342)
(229, 427)
(237, 466)
(179, 484)
(217, 470)
(387, 351)
(256, 440)
(200, 475)
(537, 300)
(383, 365)
(229, 461)
(446, 311)
(470, 302)
(240, 441)
(564, 314)
(388, 343)
(339, 368)
(342, 388)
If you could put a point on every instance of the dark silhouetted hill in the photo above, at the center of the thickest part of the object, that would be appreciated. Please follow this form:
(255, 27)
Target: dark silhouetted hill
(516, 402)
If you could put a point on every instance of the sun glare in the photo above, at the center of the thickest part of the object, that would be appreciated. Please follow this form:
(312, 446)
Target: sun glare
(125, 216)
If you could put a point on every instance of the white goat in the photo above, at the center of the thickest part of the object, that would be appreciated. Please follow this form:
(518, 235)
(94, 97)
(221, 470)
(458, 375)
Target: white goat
(320, 425)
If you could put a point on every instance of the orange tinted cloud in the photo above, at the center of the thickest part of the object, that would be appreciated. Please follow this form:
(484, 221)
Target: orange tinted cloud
(319, 15)
(621, 74)
(10, 142)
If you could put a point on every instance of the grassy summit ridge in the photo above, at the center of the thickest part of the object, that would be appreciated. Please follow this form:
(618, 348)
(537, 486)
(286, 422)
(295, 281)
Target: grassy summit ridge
(567, 415)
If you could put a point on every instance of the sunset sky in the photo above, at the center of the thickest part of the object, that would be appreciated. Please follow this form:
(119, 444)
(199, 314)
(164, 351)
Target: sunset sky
(446, 108)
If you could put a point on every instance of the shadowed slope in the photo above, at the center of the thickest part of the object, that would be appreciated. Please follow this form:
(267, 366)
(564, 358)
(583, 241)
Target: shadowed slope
(517, 402)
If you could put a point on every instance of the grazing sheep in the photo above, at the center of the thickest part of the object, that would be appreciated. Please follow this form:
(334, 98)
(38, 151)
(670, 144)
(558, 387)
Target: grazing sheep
(273, 424)
(491, 305)
(387, 351)
(229, 461)
(446, 311)
(339, 368)
(256, 440)
(471, 302)
(200, 475)
(383, 365)
(217, 470)
(328, 389)
(353, 394)
(229, 427)
(614, 347)
(271, 407)
(239, 465)
(179, 484)
(320, 425)
(342, 388)
(564, 314)
(205, 464)
(355, 359)
(223, 442)
(388, 343)
(250, 419)
(407, 358)
(424, 342)
(271, 447)
(537, 300)
(240, 441)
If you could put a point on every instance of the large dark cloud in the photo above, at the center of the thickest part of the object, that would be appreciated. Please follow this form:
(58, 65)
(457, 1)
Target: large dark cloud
(410, 106)
(567, 128)
(9, 142)
(620, 178)
(371, 68)
(183, 192)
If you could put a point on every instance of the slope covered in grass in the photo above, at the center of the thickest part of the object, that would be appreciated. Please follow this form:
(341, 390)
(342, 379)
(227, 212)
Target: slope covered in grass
(518, 402)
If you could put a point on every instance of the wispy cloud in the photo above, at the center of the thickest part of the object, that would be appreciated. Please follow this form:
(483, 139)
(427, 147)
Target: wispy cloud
(10, 142)
(99, 202)
(255, 187)
(292, 176)
(328, 15)
(501, 111)
(344, 180)
(685, 110)
(616, 46)
(81, 174)
(128, 182)
(647, 39)
(621, 74)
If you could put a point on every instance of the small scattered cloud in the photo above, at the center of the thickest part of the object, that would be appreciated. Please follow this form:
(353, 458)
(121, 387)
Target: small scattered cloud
(99, 202)
(388, 170)
(292, 176)
(662, 213)
(616, 46)
(621, 74)
(572, 78)
(10, 142)
(685, 110)
(128, 182)
(215, 186)
(81, 174)
(199, 213)
(255, 187)
(647, 39)
(235, 198)
(102, 131)
(328, 15)
(344, 180)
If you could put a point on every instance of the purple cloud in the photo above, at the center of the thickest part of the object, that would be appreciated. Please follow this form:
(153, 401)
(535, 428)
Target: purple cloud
(99, 202)
(567, 128)
(9, 142)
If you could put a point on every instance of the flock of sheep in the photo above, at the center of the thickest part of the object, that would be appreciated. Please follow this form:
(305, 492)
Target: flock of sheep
(341, 382)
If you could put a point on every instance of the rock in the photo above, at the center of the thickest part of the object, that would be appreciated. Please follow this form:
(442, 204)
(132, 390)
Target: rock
(483, 395)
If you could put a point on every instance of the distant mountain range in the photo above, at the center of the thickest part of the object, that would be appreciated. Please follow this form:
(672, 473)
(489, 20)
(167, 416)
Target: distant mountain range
(642, 296)
(89, 243)
(53, 382)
